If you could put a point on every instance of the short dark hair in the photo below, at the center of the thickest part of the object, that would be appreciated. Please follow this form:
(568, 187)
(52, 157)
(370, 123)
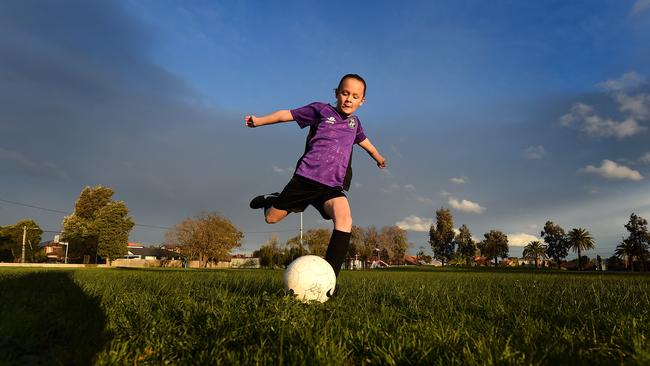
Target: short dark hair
(352, 76)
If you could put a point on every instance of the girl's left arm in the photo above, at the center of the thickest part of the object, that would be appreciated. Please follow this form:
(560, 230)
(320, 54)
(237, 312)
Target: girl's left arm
(372, 151)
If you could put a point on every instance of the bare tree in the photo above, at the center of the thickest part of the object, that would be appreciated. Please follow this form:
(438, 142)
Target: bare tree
(207, 236)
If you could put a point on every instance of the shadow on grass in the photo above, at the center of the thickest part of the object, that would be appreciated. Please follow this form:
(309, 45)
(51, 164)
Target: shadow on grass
(46, 318)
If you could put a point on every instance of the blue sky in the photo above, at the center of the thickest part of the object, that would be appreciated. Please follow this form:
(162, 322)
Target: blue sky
(510, 113)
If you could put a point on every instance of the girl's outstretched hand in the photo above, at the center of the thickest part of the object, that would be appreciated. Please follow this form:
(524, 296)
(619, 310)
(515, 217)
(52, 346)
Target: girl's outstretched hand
(250, 121)
(381, 162)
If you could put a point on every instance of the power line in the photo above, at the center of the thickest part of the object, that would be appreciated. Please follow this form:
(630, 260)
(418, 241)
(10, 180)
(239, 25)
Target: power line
(135, 224)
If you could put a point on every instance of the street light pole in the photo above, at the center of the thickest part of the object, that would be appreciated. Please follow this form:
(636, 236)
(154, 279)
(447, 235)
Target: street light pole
(65, 261)
(22, 258)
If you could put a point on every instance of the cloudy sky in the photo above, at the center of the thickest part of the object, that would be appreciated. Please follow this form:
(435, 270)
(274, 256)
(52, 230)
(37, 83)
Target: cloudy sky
(510, 113)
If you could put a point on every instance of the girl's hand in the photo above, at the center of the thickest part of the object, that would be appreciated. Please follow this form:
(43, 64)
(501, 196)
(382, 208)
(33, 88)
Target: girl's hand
(250, 121)
(381, 162)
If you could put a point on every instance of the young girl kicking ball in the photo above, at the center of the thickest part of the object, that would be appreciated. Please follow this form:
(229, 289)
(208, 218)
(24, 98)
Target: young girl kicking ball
(324, 171)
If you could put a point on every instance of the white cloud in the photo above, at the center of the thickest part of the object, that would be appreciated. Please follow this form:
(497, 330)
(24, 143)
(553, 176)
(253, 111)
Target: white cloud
(638, 106)
(425, 200)
(17, 157)
(391, 188)
(409, 187)
(43, 167)
(534, 152)
(521, 239)
(465, 205)
(445, 193)
(640, 6)
(585, 119)
(628, 80)
(459, 180)
(277, 169)
(645, 159)
(414, 223)
(611, 170)
(635, 109)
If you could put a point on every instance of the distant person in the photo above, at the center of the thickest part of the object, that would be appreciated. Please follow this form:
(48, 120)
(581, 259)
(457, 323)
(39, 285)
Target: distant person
(324, 170)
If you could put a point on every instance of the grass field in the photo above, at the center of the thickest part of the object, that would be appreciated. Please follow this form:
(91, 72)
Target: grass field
(464, 317)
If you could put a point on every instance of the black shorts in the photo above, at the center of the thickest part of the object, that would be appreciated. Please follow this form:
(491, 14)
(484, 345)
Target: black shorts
(301, 192)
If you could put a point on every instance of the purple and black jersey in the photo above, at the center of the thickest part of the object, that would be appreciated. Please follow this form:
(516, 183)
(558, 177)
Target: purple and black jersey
(328, 150)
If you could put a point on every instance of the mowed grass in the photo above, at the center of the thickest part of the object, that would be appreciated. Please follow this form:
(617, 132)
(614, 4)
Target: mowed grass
(440, 317)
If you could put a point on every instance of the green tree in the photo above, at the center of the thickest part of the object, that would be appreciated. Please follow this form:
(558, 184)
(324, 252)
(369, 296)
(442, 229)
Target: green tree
(639, 238)
(11, 240)
(466, 247)
(494, 245)
(626, 251)
(535, 250)
(270, 253)
(206, 237)
(556, 242)
(99, 226)
(441, 236)
(579, 240)
(317, 241)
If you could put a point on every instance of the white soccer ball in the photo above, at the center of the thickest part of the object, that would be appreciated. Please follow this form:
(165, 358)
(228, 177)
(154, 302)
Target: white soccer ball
(310, 278)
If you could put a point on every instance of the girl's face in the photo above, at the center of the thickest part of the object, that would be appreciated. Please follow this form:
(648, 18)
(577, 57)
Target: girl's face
(349, 96)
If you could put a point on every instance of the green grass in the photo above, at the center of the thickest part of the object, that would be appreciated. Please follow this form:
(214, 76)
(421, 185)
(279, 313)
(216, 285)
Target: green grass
(462, 317)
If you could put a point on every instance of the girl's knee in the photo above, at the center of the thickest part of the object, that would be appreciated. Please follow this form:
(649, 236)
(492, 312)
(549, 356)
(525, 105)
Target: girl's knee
(271, 219)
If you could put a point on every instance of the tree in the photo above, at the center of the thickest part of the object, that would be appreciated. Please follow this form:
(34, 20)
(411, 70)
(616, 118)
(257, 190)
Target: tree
(393, 242)
(270, 253)
(422, 257)
(626, 251)
(99, 226)
(494, 245)
(556, 242)
(465, 244)
(356, 241)
(11, 240)
(535, 250)
(639, 238)
(208, 236)
(579, 240)
(441, 236)
(369, 242)
(317, 241)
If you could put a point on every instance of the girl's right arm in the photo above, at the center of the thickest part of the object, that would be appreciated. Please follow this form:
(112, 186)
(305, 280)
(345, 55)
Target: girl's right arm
(283, 115)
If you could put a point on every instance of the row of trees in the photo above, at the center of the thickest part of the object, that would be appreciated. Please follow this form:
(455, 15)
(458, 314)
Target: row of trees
(459, 247)
(388, 243)
(99, 228)
(557, 243)
(447, 245)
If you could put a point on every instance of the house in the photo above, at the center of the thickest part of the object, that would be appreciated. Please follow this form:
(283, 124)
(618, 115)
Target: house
(55, 251)
(411, 260)
(139, 251)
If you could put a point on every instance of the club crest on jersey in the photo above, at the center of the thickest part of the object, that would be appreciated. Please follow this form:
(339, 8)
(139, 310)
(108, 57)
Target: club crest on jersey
(352, 122)
(330, 120)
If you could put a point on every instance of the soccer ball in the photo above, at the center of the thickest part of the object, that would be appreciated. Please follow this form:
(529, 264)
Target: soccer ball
(310, 278)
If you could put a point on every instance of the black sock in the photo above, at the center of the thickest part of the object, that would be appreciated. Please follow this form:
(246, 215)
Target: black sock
(337, 249)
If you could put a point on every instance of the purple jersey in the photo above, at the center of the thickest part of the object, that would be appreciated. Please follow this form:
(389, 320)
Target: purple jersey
(328, 151)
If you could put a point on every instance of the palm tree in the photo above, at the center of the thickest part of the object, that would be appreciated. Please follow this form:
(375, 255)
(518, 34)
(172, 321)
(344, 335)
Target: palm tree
(626, 250)
(535, 250)
(580, 239)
